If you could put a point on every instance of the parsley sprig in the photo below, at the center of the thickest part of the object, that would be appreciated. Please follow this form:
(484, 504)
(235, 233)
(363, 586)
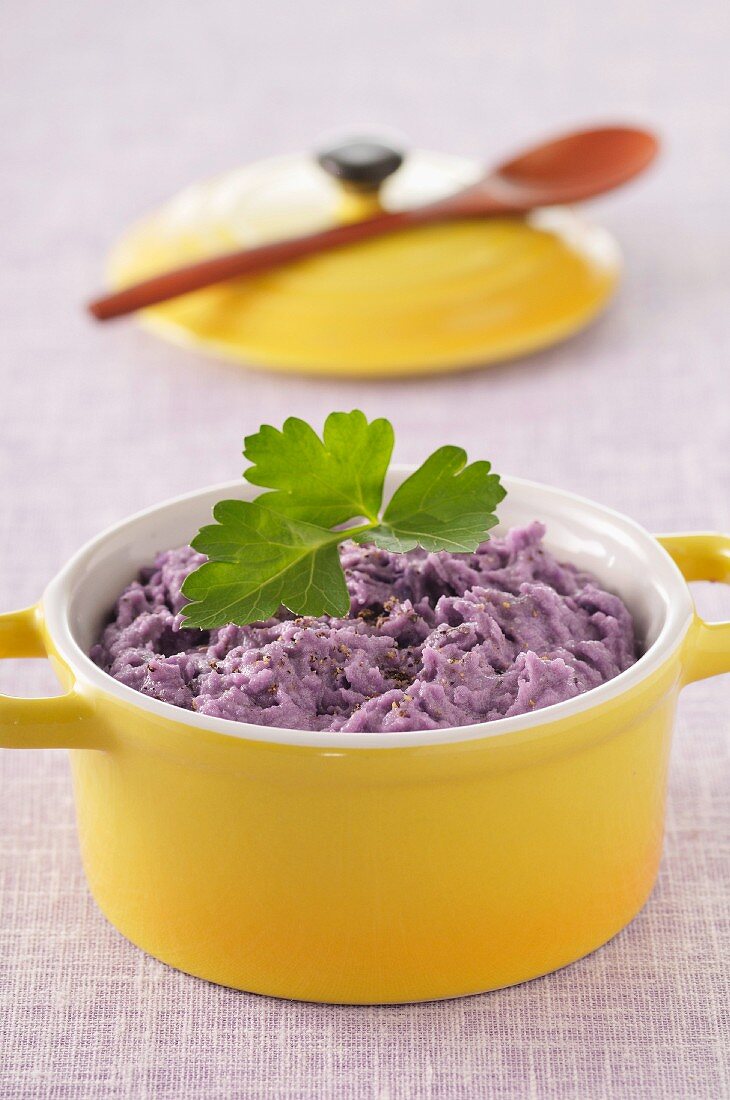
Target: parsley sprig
(282, 547)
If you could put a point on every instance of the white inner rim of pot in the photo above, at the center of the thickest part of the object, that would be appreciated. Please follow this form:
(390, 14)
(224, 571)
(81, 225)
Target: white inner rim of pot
(621, 554)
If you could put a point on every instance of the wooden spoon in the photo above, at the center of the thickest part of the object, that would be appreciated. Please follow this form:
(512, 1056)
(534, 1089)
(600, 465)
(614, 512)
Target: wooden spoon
(568, 169)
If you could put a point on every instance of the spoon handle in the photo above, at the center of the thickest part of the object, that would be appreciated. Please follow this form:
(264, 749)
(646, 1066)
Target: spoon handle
(250, 261)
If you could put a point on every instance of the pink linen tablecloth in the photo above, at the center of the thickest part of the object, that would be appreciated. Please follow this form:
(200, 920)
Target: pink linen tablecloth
(106, 109)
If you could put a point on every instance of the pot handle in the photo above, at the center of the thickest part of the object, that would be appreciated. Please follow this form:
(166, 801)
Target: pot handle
(59, 722)
(703, 557)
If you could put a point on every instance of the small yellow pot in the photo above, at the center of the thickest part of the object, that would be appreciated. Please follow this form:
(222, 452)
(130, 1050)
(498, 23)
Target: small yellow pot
(372, 868)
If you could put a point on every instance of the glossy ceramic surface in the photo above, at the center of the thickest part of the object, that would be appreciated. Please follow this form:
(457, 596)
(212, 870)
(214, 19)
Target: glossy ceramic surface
(373, 867)
(434, 298)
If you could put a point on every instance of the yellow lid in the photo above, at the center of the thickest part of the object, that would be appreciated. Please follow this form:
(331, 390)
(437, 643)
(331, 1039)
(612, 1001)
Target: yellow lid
(432, 298)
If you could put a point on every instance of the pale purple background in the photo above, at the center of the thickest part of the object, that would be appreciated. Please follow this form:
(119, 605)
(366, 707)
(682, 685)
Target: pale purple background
(105, 110)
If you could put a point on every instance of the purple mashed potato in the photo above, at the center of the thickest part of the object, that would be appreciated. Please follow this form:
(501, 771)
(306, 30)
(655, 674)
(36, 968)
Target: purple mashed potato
(432, 640)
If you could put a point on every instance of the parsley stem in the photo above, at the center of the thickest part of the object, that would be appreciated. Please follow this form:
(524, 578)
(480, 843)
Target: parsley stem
(351, 532)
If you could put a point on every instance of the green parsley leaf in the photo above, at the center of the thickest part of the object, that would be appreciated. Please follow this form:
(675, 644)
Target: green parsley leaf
(444, 505)
(326, 481)
(260, 560)
(282, 548)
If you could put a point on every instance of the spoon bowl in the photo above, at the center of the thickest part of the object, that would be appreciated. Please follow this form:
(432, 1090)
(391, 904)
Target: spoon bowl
(575, 167)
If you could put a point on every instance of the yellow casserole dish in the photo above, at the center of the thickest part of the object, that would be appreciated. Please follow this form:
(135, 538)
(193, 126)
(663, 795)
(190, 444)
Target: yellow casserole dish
(372, 867)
